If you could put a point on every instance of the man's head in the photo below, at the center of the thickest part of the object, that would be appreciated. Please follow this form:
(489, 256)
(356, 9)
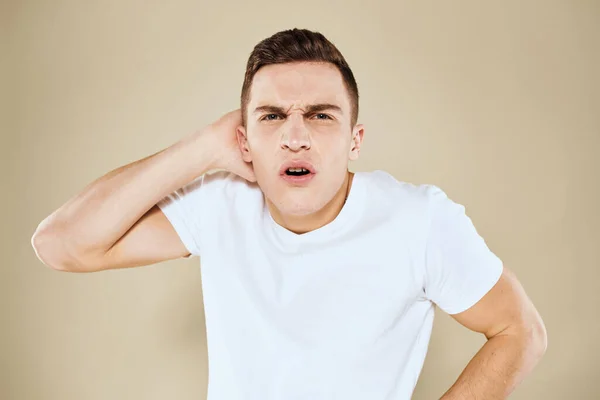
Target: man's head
(299, 108)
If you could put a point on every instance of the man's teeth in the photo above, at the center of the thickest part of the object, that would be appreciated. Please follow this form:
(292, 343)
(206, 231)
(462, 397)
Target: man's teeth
(297, 170)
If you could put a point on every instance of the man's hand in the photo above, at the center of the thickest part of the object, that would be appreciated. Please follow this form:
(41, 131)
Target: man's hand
(221, 138)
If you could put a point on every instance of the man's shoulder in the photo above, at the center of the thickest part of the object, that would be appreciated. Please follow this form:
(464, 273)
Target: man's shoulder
(405, 208)
(384, 184)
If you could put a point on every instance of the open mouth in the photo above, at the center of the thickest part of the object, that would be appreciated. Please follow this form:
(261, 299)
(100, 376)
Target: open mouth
(297, 171)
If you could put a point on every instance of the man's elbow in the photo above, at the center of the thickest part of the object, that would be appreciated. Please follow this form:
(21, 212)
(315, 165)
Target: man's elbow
(534, 338)
(530, 336)
(50, 252)
(539, 338)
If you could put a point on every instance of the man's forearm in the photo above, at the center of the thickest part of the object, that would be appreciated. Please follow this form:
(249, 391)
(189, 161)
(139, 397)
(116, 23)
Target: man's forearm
(105, 210)
(499, 366)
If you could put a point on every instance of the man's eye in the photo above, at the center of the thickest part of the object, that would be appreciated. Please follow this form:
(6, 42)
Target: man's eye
(268, 117)
(322, 116)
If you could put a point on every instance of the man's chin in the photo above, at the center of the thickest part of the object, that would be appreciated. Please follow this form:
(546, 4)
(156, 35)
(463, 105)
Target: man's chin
(301, 212)
(296, 209)
(295, 202)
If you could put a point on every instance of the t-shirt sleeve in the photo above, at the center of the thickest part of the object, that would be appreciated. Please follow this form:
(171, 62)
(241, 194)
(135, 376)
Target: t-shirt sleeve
(460, 268)
(182, 208)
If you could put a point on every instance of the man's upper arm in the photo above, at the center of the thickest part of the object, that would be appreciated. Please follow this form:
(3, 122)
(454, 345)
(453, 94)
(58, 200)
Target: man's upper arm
(173, 227)
(505, 309)
(150, 240)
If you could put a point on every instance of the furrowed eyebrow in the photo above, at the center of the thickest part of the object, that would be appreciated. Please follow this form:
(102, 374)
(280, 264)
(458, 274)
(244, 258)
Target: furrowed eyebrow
(324, 107)
(310, 108)
(267, 108)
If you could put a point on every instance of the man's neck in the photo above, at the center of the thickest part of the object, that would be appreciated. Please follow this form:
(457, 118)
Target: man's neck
(307, 223)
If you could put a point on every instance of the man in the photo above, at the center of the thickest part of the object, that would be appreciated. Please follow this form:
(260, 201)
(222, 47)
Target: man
(318, 283)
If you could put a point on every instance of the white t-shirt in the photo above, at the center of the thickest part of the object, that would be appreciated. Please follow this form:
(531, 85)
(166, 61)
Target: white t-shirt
(341, 312)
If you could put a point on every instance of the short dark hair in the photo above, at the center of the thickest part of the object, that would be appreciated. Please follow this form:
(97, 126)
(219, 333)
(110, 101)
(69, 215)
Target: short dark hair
(297, 45)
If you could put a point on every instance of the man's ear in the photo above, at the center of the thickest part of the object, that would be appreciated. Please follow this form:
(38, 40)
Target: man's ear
(242, 140)
(357, 138)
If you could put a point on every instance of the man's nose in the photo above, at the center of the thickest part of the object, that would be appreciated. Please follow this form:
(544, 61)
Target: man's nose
(295, 135)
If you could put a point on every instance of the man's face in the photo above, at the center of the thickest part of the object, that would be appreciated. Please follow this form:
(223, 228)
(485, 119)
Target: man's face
(298, 115)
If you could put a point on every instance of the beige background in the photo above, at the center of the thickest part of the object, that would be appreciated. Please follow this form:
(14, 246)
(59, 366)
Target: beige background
(496, 102)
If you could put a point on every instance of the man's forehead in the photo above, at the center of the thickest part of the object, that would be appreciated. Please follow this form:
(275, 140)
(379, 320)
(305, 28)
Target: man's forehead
(298, 70)
(299, 85)
(298, 76)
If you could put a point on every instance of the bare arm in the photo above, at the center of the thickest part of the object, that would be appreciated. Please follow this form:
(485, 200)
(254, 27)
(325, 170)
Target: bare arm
(122, 202)
(516, 342)
(115, 222)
